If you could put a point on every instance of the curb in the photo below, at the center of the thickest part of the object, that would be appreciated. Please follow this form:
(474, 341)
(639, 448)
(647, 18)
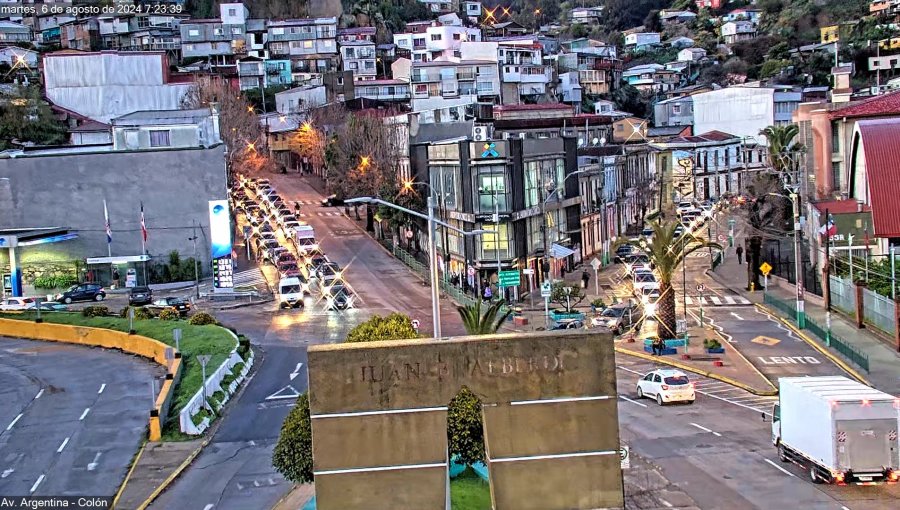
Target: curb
(718, 332)
(815, 345)
(704, 373)
(245, 305)
(134, 464)
(171, 478)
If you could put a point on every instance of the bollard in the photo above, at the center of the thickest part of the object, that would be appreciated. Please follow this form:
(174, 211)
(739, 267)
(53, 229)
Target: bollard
(860, 306)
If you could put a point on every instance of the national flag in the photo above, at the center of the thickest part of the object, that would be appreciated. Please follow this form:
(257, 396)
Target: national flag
(143, 224)
(829, 228)
(108, 230)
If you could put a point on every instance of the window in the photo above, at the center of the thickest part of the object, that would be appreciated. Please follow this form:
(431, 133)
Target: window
(444, 179)
(188, 47)
(235, 30)
(421, 89)
(835, 138)
(435, 37)
(369, 64)
(490, 244)
(307, 44)
(457, 54)
(232, 12)
(278, 31)
(159, 138)
(836, 174)
(532, 184)
(218, 31)
(676, 109)
(193, 33)
(456, 37)
(354, 66)
(491, 189)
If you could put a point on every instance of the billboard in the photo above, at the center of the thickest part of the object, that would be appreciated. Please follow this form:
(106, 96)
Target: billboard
(683, 174)
(220, 240)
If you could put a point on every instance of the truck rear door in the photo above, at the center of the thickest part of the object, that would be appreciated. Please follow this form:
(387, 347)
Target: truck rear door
(866, 445)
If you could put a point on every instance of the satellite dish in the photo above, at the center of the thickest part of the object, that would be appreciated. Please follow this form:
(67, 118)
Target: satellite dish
(581, 142)
(595, 141)
(603, 141)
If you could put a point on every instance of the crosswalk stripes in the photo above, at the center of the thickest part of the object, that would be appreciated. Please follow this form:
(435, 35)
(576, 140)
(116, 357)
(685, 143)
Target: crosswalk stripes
(320, 214)
(717, 301)
(250, 277)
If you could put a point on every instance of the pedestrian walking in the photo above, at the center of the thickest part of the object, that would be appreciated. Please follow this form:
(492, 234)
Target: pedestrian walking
(487, 292)
(115, 276)
(740, 253)
(297, 208)
(585, 278)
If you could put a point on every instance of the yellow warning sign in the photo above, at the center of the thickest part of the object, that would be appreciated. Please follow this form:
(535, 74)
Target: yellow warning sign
(765, 340)
(765, 268)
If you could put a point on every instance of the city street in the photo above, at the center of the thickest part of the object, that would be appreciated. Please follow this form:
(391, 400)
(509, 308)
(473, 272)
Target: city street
(72, 417)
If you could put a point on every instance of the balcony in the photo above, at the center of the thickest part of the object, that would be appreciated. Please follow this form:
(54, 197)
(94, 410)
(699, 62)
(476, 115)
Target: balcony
(465, 75)
(426, 78)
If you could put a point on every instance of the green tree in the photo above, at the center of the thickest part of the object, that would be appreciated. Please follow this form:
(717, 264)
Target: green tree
(652, 22)
(667, 252)
(772, 67)
(395, 326)
(26, 117)
(293, 456)
(782, 149)
(567, 295)
(478, 323)
(465, 431)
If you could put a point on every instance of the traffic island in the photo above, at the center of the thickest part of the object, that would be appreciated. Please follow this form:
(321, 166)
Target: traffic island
(728, 366)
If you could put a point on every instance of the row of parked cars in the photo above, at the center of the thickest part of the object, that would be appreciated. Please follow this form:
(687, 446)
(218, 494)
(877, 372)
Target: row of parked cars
(279, 238)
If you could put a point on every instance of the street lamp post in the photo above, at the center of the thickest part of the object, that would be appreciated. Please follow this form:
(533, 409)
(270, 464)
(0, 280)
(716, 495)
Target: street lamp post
(546, 233)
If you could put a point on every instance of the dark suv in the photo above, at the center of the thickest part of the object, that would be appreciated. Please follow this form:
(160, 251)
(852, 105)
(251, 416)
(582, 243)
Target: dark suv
(140, 296)
(82, 292)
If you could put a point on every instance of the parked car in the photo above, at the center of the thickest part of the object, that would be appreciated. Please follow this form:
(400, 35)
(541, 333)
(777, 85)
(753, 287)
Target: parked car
(82, 292)
(140, 296)
(666, 385)
(567, 324)
(288, 266)
(644, 279)
(617, 318)
(622, 252)
(636, 261)
(332, 201)
(180, 305)
(263, 253)
(315, 261)
(17, 304)
(686, 207)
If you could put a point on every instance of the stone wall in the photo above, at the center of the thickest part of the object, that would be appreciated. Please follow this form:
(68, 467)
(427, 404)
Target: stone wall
(68, 191)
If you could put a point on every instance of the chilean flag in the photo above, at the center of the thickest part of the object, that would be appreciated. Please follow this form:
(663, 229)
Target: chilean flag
(143, 224)
(828, 229)
(108, 230)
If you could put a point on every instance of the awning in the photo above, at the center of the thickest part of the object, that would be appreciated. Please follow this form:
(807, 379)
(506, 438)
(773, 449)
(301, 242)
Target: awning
(560, 252)
(118, 260)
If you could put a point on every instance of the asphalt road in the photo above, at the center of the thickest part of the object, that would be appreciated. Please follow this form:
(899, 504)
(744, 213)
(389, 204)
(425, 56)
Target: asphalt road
(72, 417)
(718, 450)
(235, 470)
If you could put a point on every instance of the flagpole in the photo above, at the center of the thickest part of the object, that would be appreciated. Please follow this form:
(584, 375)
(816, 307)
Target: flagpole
(144, 243)
(108, 230)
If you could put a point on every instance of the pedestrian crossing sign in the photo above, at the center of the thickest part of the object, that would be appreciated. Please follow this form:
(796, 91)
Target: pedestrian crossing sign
(765, 268)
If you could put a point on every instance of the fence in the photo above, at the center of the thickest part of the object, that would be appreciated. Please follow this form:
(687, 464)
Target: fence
(717, 259)
(878, 311)
(852, 354)
(842, 295)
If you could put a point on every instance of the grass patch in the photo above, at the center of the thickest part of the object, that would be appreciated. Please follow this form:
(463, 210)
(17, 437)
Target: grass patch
(469, 492)
(195, 340)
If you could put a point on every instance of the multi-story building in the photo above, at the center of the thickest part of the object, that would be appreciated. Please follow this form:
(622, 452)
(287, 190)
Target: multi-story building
(640, 41)
(472, 11)
(80, 34)
(519, 189)
(441, 6)
(300, 100)
(586, 15)
(522, 70)
(427, 41)
(599, 68)
(46, 28)
(743, 14)
(706, 166)
(436, 85)
(220, 41)
(140, 33)
(384, 90)
(358, 57)
(310, 44)
(744, 111)
(691, 55)
(254, 73)
(677, 111)
(652, 78)
(356, 34)
(737, 31)
(11, 33)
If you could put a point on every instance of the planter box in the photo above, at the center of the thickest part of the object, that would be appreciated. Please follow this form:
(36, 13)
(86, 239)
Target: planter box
(559, 316)
(520, 321)
(720, 350)
(676, 342)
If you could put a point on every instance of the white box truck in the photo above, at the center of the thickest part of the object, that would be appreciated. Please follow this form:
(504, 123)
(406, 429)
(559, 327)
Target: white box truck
(305, 240)
(838, 430)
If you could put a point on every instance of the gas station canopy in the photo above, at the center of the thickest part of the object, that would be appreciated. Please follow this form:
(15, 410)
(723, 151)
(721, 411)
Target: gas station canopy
(14, 238)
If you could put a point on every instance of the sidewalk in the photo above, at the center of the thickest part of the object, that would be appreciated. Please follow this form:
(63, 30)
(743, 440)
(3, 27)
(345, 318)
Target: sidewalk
(884, 361)
(156, 466)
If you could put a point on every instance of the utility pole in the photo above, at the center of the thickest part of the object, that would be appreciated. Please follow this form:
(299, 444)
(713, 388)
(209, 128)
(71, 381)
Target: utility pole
(433, 271)
(798, 263)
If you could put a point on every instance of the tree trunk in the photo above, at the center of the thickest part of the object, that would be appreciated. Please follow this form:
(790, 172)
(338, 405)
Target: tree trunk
(665, 312)
(356, 212)
(370, 219)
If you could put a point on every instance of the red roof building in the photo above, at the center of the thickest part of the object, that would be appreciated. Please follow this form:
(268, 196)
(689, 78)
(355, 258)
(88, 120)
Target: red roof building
(874, 177)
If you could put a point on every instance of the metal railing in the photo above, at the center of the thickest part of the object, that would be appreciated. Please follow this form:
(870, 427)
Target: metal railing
(842, 295)
(783, 306)
(878, 311)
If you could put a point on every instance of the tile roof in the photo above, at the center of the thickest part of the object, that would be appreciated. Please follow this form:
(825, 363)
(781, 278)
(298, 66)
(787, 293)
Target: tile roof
(840, 206)
(887, 104)
(879, 139)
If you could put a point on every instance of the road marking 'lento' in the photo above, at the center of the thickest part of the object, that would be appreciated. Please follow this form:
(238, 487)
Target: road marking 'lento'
(13, 422)
(102, 387)
(623, 397)
(38, 482)
(86, 410)
(63, 445)
(785, 471)
(701, 427)
(39, 394)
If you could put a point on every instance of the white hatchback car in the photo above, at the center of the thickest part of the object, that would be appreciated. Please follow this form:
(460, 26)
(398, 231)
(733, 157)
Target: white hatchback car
(17, 304)
(667, 386)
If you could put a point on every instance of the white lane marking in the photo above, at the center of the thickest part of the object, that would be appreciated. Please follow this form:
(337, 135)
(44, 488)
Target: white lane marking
(736, 316)
(785, 471)
(93, 465)
(13, 422)
(102, 387)
(296, 371)
(63, 445)
(623, 397)
(736, 404)
(701, 427)
(715, 300)
(729, 300)
(7, 472)
(255, 483)
(39, 394)
(844, 508)
(630, 370)
(86, 411)
(38, 482)
(209, 506)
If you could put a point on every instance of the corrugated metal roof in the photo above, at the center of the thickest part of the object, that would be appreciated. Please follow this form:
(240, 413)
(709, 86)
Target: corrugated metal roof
(879, 143)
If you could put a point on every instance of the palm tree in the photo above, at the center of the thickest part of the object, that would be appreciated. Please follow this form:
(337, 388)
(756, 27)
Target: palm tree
(477, 323)
(667, 252)
(781, 145)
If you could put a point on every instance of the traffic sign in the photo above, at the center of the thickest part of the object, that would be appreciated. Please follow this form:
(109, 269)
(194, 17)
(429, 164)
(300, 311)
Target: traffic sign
(722, 238)
(545, 289)
(470, 271)
(700, 287)
(509, 278)
(625, 457)
(765, 268)
(415, 324)
(595, 264)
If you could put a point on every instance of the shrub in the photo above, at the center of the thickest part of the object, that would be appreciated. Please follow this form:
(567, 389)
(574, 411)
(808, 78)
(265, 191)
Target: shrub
(95, 311)
(465, 432)
(598, 303)
(711, 343)
(169, 315)
(202, 319)
(54, 282)
(140, 313)
(293, 452)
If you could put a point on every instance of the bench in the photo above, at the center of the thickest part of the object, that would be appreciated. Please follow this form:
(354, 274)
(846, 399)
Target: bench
(667, 350)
